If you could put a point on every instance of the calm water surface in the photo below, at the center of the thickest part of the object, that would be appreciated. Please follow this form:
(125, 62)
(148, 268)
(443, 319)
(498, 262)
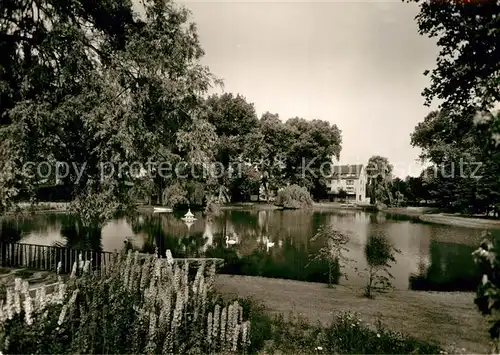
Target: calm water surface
(432, 256)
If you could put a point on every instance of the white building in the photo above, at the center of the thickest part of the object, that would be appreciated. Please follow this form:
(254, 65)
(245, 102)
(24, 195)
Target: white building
(350, 178)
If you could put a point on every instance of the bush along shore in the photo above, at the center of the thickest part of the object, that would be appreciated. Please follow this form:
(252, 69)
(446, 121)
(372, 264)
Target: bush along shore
(154, 305)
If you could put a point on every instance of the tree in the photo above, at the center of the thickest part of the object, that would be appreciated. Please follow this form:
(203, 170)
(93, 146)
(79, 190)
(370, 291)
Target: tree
(466, 75)
(463, 175)
(309, 157)
(95, 84)
(245, 184)
(236, 125)
(379, 173)
(416, 190)
(333, 252)
(273, 148)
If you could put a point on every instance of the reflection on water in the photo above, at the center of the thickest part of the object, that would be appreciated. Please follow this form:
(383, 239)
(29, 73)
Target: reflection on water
(272, 243)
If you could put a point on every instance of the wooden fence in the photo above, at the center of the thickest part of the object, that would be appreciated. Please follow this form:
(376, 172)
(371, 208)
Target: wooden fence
(47, 258)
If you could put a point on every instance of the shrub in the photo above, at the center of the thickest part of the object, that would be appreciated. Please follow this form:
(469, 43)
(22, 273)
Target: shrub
(348, 335)
(294, 196)
(261, 323)
(345, 334)
(487, 299)
(379, 256)
(135, 306)
(333, 252)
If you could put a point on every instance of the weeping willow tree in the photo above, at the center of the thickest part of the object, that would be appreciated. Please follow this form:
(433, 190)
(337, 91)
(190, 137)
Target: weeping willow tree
(379, 176)
(98, 84)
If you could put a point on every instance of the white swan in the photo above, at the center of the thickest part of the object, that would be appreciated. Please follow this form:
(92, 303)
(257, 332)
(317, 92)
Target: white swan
(230, 241)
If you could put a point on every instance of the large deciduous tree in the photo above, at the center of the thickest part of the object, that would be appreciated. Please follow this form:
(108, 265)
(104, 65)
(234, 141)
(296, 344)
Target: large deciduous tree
(467, 74)
(274, 146)
(91, 83)
(236, 125)
(464, 174)
(379, 172)
(309, 160)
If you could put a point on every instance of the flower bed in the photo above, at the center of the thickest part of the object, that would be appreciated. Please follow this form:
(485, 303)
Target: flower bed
(139, 305)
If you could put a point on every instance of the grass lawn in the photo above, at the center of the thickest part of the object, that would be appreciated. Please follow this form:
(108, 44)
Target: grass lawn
(448, 319)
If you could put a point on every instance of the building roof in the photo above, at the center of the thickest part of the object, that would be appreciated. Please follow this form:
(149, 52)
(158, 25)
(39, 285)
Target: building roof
(347, 171)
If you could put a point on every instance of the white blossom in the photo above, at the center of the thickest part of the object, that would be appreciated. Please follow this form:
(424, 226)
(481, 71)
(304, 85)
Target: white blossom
(86, 266)
(170, 259)
(28, 304)
(73, 271)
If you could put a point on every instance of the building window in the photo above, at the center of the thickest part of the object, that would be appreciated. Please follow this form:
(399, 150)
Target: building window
(350, 182)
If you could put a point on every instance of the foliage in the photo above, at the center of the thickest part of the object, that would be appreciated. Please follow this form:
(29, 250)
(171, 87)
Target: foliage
(308, 159)
(89, 83)
(260, 320)
(333, 252)
(342, 194)
(175, 195)
(466, 81)
(278, 151)
(464, 172)
(467, 33)
(25, 274)
(272, 147)
(379, 255)
(245, 184)
(348, 335)
(412, 190)
(234, 120)
(345, 334)
(134, 306)
(294, 196)
(379, 172)
(101, 86)
(488, 292)
(294, 335)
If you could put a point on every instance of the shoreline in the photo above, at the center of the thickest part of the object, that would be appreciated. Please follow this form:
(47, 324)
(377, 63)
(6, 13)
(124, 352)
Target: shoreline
(423, 214)
(458, 221)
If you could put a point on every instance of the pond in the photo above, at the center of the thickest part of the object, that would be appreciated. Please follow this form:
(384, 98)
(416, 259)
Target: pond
(432, 257)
